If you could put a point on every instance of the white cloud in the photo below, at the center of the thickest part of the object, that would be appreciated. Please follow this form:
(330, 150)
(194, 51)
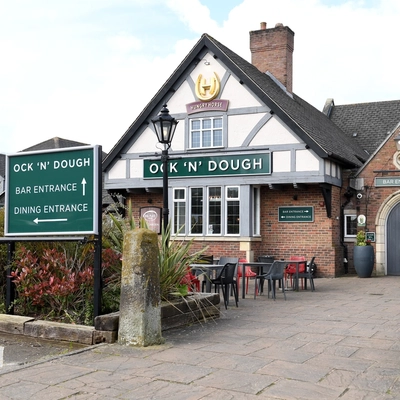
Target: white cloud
(192, 13)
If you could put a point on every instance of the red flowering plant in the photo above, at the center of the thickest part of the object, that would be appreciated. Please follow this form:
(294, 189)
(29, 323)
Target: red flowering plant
(53, 286)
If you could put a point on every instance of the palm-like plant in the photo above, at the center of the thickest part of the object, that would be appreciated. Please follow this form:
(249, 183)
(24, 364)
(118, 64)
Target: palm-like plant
(174, 259)
(174, 255)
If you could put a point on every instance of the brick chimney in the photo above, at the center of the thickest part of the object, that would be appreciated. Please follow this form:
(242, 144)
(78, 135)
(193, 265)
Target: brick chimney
(272, 50)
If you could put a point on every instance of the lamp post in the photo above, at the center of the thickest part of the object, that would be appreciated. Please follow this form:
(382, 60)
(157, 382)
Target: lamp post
(165, 126)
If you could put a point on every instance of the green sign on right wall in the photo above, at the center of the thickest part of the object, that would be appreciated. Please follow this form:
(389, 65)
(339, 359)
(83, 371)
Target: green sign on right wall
(296, 214)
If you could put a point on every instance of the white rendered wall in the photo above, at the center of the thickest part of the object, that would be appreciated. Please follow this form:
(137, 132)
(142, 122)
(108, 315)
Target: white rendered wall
(281, 161)
(239, 126)
(238, 95)
(273, 133)
(136, 169)
(118, 171)
(306, 161)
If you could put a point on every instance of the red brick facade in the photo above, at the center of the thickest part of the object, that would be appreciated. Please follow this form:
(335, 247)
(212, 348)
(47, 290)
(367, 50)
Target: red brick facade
(375, 201)
(320, 238)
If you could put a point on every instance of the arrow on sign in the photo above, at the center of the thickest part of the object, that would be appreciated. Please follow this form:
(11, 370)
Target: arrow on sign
(37, 220)
(83, 186)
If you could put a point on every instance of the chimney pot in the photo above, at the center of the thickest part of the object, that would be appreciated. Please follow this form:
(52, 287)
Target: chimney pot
(263, 25)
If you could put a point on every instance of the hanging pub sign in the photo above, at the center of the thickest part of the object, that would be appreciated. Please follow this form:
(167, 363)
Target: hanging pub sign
(361, 219)
(152, 216)
(229, 165)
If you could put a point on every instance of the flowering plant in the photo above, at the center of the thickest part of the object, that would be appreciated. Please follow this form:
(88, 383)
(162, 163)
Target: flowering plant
(362, 239)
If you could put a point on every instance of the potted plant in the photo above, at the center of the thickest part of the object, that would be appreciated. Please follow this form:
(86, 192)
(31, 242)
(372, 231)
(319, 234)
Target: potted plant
(363, 256)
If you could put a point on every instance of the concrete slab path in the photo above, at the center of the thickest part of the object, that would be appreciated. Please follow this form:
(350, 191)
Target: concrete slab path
(340, 342)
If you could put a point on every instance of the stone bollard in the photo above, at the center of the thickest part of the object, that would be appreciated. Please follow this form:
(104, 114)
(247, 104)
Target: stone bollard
(140, 304)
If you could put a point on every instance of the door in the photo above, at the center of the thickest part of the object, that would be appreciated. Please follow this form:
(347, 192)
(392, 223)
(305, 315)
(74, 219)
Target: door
(393, 241)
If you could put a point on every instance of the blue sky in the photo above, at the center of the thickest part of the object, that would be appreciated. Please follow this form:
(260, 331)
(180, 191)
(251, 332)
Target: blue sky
(84, 69)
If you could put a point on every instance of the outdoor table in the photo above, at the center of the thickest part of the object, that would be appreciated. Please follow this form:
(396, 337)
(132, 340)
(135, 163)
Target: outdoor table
(259, 265)
(208, 269)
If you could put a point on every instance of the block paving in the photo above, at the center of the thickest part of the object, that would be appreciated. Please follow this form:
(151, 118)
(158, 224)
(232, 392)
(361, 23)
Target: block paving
(339, 342)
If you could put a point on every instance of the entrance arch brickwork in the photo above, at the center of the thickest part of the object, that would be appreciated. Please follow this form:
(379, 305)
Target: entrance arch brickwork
(380, 224)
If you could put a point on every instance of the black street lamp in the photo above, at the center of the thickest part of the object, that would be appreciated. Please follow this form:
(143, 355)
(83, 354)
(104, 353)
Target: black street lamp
(165, 126)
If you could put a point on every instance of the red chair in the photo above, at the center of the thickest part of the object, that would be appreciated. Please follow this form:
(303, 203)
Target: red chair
(248, 273)
(291, 269)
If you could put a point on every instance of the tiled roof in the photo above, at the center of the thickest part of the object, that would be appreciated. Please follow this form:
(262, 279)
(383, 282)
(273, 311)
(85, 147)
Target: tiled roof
(54, 143)
(367, 124)
(317, 131)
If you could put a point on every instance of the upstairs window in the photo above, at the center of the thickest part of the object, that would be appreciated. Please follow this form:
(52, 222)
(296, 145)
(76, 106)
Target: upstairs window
(206, 132)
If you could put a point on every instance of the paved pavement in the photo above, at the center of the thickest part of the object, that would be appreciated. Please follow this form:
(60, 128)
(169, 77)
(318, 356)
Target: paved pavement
(340, 342)
(22, 349)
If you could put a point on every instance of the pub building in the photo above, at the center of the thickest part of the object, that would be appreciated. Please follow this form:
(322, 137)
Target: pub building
(253, 169)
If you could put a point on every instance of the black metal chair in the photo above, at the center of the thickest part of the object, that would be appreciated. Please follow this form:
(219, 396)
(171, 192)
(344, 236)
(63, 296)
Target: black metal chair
(309, 274)
(275, 273)
(268, 260)
(226, 279)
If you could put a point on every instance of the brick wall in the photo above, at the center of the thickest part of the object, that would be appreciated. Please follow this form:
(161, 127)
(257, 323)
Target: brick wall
(320, 238)
(272, 50)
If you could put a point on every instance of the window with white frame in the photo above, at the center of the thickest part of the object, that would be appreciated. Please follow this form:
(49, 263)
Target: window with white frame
(206, 132)
(256, 211)
(196, 211)
(212, 210)
(179, 210)
(350, 225)
(232, 210)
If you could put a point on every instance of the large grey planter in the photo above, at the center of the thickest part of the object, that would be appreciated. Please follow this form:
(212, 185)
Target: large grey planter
(364, 260)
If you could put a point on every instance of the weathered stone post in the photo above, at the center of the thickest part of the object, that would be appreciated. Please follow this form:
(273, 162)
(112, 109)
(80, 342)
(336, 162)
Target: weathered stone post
(140, 305)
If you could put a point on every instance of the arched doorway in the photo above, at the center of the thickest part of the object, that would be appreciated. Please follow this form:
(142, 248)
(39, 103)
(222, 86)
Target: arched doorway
(393, 241)
(387, 225)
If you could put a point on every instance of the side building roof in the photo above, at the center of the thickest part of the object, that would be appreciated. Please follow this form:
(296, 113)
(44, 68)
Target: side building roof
(367, 124)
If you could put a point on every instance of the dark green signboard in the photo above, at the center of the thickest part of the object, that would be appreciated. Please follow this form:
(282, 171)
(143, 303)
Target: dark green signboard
(54, 192)
(248, 164)
(296, 214)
